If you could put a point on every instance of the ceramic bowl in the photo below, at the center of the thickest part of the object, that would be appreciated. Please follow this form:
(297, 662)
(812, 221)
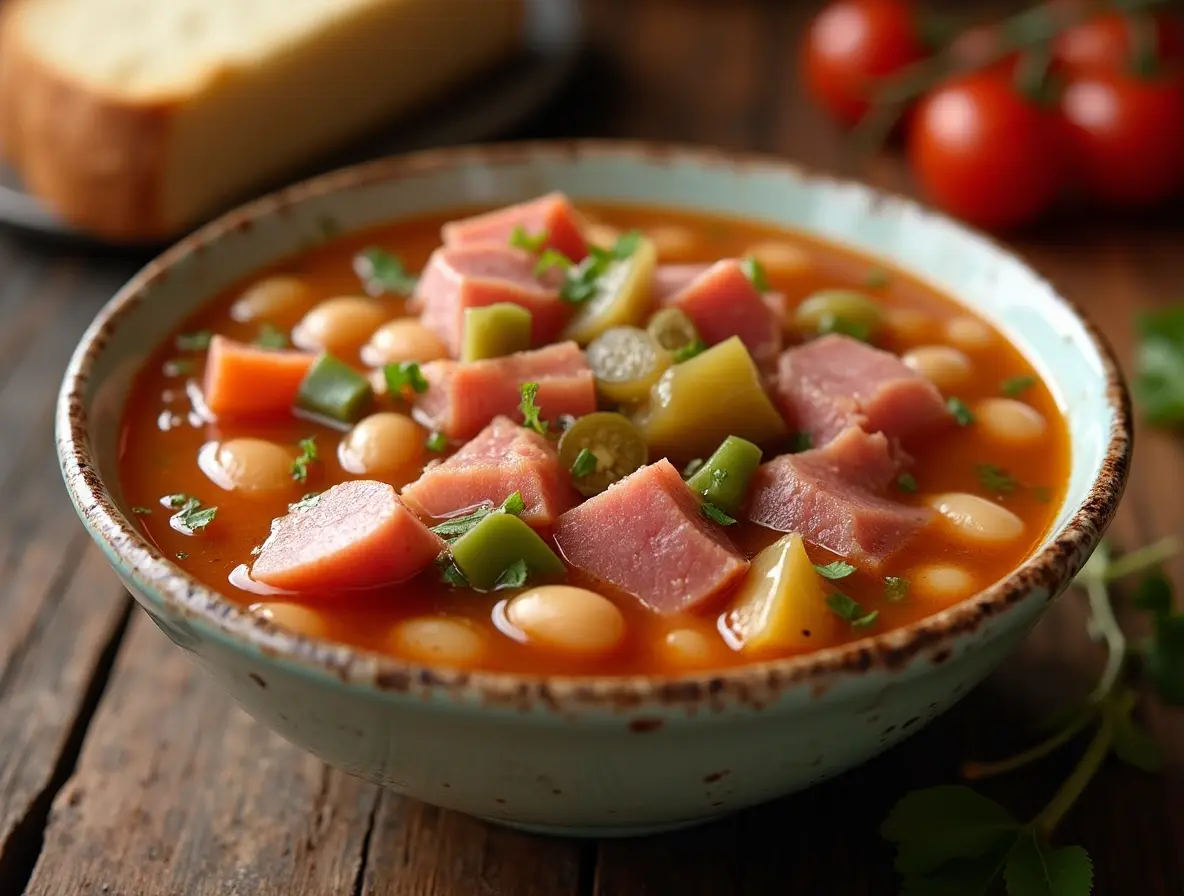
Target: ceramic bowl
(602, 756)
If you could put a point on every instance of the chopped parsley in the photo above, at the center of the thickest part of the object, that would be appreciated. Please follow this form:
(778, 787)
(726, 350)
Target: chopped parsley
(271, 337)
(1016, 386)
(685, 352)
(520, 239)
(193, 342)
(530, 410)
(851, 610)
(836, 570)
(1159, 366)
(308, 456)
(175, 501)
(876, 278)
(450, 573)
(191, 517)
(995, 479)
(452, 529)
(584, 463)
(381, 272)
(310, 500)
(836, 323)
(551, 258)
(513, 576)
(716, 515)
(581, 281)
(404, 375)
(755, 272)
(140, 510)
(959, 411)
(800, 441)
(692, 468)
(907, 483)
(895, 588)
(437, 442)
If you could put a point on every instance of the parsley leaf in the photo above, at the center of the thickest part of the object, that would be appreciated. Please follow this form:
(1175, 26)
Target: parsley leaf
(530, 410)
(520, 239)
(551, 258)
(959, 411)
(1016, 386)
(692, 468)
(851, 610)
(584, 463)
(895, 588)
(626, 245)
(450, 573)
(933, 826)
(308, 456)
(513, 576)
(271, 337)
(175, 501)
(755, 272)
(437, 442)
(1034, 869)
(381, 272)
(191, 517)
(312, 499)
(716, 515)
(404, 375)
(513, 505)
(451, 530)
(907, 483)
(181, 555)
(140, 510)
(995, 479)
(582, 281)
(800, 441)
(685, 352)
(836, 570)
(1159, 365)
(193, 342)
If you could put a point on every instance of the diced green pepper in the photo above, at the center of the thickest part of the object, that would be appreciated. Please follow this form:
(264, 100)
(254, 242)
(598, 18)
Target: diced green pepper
(724, 479)
(700, 402)
(495, 330)
(487, 550)
(334, 390)
(622, 295)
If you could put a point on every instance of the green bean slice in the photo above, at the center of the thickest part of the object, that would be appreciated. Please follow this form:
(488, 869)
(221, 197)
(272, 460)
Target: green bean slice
(333, 390)
(724, 479)
(496, 543)
(615, 442)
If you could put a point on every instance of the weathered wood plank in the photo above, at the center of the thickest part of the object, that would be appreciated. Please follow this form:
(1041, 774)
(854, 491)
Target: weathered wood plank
(178, 791)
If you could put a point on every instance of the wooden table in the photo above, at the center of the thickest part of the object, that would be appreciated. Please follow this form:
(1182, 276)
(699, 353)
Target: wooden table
(123, 771)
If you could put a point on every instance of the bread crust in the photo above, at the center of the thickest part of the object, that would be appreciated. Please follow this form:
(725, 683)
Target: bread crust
(96, 161)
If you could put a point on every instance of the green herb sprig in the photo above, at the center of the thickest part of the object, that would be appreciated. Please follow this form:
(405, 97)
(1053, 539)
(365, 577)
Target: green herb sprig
(382, 272)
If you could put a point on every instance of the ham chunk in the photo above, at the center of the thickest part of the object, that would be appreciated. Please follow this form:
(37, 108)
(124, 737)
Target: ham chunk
(646, 536)
(723, 302)
(357, 535)
(462, 399)
(833, 497)
(456, 279)
(834, 382)
(671, 279)
(504, 458)
(552, 214)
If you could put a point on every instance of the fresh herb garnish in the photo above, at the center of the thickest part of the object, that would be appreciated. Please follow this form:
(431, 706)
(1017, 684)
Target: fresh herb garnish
(404, 375)
(584, 463)
(755, 272)
(140, 510)
(520, 239)
(716, 515)
(895, 588)
(191, 517)
(551, 258)
(381, 272)
(308, 455)
(851, 610)
(513, 576)
(450, 573)
(800, 441)
(193, 342)
(1016, 386)
(437, 442)
(175, 501)
(581, 281)
(839, 569)
(876, 278)
(685, 352)
(951, 839)
(310, 500)
(626, 245)
(995, 479)
(959, 411)
(451, 530)
(181, 555)
(1159, 365)
(692, 468)
(271, 337)
(907, 483)
(530, 410)
(836, 323)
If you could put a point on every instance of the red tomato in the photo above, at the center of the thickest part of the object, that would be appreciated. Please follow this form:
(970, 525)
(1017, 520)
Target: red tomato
(851, 45)
(985, 153)
(1127, 135)
(1107, 41)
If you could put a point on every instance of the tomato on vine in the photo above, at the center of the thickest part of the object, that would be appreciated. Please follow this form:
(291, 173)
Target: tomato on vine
(984, 151)
(854, 44)
(1111, 40)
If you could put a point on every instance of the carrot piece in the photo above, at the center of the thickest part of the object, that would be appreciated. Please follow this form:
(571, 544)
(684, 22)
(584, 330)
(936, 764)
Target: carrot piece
(354, 535)
(247, 381)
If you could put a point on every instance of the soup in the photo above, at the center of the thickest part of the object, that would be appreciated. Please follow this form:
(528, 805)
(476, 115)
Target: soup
(605, 441)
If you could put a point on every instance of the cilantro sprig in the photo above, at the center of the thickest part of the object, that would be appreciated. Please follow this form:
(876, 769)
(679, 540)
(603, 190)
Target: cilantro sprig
(382, 272)
(308, 456)
(951, 839)
(403, 375)
(530, 410)
(582, 281)
(451, 530)
(191, 517)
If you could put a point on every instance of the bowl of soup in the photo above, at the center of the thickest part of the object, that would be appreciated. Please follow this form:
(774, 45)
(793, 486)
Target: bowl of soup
(592, 488)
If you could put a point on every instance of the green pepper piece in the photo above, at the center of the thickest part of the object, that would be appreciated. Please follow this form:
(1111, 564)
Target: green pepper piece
(840, 311)
(495, 330)
(498, 541)
(332, 389)
(724, 479)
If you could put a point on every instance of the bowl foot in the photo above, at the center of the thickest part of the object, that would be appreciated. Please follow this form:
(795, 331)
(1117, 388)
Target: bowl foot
(607, 831)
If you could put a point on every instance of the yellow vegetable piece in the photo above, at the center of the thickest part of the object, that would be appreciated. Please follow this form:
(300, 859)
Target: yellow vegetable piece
(699, 403)
(622, 296)
(781, 604)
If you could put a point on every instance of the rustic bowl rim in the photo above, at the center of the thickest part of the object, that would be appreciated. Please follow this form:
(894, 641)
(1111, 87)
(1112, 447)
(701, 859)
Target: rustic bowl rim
(136, 557)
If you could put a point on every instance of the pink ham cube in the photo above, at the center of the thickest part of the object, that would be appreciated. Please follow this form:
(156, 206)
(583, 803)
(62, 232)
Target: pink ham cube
(552, 215)
(647, 536)
(504, 458)
(457, 279)
(834, 382)
(723, 302)
(462, 399)
(834, 497)
(671, 279)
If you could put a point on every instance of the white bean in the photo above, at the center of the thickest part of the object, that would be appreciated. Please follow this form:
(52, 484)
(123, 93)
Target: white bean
(673, 242)
(908, 324)
(437, 639)
(247, 464)
(780, 259)
(969, 333)
(270, 299)
(403, 340)
(946, 367)
(294, 617)
(1008, 420)
(943, 582)
(689, 647)
(978, 519)
(568, 619)
(386, 444)
(339, 325)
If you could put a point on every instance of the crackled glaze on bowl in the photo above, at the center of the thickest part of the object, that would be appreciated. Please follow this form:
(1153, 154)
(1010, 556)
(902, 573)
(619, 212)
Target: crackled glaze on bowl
(610, 755)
